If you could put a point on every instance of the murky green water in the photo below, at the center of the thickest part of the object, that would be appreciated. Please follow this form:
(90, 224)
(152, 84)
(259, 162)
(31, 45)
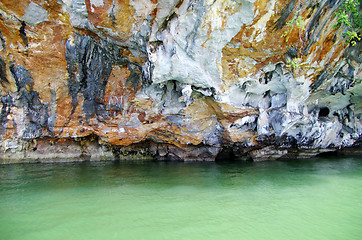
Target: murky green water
(310, 199)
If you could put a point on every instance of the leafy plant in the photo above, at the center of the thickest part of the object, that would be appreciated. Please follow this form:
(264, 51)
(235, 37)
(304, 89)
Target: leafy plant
(298, 22)
(348, 14)
(293, 63)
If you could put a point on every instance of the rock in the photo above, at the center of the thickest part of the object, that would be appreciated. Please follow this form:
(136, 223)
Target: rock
(175, 80)
(34, 14)
(267, 153)
(186, 153)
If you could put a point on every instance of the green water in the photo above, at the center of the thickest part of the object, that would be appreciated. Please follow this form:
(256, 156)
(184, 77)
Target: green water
(309, 199)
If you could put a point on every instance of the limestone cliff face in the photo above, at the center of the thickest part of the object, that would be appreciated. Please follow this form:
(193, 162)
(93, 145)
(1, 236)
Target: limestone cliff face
(176, 79)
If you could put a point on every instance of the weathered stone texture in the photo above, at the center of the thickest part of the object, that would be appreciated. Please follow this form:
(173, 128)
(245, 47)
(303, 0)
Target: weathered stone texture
(176, 79)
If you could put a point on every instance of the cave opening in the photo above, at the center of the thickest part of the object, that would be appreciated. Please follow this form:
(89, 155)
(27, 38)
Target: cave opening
(232, 154)
(225, 155)
(323, 112)
(327, 154)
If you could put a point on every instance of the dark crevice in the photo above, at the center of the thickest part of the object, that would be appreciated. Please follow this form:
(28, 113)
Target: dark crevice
(22, 33)
(323, 112)
(3, 76)
(168, 19)
(116, 153)
(2, 41)
(225, 155)
(328, 154)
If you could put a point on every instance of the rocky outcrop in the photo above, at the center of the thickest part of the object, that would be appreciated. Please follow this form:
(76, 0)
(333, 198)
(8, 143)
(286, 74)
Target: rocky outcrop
(176, 80)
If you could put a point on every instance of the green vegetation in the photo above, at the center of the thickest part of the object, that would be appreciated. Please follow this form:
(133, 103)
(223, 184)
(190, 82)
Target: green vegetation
(348, 14)
(293, 63)
(297, 21)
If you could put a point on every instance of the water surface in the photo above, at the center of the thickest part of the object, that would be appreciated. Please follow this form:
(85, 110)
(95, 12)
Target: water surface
(309, 199)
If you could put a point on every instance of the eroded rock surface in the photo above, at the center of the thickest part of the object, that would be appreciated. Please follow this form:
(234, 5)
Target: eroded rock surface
(176, 80)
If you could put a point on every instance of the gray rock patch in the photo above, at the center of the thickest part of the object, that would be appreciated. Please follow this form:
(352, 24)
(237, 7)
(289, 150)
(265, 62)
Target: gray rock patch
(35, 14)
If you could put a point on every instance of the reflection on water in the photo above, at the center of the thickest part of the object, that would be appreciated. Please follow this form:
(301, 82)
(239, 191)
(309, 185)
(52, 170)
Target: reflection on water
(309, 199)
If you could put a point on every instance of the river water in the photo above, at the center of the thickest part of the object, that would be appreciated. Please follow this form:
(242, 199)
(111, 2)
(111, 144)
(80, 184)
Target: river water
(305, 199)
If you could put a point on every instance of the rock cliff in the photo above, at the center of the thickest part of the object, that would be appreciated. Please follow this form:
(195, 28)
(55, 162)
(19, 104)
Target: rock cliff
(176, 79)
